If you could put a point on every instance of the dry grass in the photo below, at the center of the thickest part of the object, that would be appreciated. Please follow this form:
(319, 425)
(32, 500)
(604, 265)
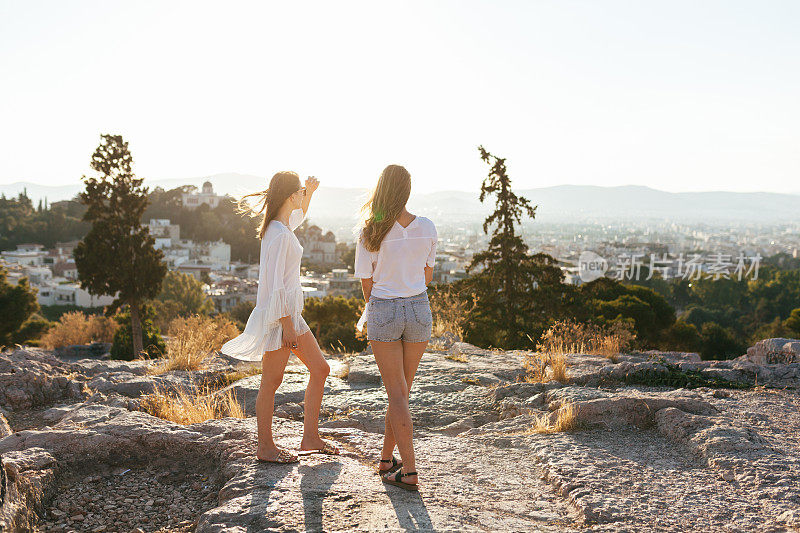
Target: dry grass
(193, 340)
(458, 357)
(190, 407)
(450, 312)
(74, 327)
(558, 368)
(240, 373)
(574, 337)
(438, 344)
(542, 367)
(565, 420)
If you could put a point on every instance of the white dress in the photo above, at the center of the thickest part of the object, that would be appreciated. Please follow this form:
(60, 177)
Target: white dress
(279, 293)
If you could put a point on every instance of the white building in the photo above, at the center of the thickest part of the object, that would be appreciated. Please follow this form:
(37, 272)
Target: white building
(67, 269)
(342, 282)
(162, 243)
(25, 254)
(213, 255)
(194, 269)
(163, 232)
(30, 247)
(37, 275)
(175, 256)
(314, 286)
(217, 254)
(318, 248)
(207, 196)
(53, 293)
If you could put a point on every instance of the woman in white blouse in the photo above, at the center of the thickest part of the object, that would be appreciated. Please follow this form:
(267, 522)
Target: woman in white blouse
(275, 327)
(395, 255)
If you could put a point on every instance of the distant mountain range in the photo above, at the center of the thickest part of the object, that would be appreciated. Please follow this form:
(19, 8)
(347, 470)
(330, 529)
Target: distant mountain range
(563, 203)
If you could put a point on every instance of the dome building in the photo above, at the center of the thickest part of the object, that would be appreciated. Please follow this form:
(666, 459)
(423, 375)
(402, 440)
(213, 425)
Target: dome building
(206, 196)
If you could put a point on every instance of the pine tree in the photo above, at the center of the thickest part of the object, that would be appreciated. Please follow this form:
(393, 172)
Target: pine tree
(518, 294)
(118, 254)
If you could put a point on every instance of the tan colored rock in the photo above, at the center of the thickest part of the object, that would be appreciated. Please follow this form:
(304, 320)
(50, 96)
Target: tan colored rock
(639, 452)
(629, 407)
(31, 377)
(5, 429)
(31, 475)
(774, 351)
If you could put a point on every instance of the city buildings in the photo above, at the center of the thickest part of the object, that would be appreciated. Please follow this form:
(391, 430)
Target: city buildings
(186, 255)
(53, 288)
(628, 247)
(319, 249)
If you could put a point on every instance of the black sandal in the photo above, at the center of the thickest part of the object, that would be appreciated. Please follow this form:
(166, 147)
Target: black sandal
(395, 465)
(396, 481)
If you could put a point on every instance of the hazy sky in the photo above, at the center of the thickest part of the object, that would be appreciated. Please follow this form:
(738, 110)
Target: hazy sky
(678, 95)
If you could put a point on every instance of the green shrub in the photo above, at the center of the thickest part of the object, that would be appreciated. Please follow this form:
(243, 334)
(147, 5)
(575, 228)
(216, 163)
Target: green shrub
(333, 319)
(152, 342)
(719, 343)
(682, 337)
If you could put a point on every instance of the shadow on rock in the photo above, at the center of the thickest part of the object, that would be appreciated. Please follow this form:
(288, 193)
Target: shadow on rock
(412, 515)
(315, 484)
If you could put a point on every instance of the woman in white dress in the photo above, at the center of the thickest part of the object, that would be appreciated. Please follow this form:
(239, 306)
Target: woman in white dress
(275, 328)
(395, 256)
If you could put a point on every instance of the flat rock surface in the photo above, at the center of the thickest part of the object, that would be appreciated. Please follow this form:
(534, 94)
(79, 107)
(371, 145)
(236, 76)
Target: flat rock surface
(714, 454)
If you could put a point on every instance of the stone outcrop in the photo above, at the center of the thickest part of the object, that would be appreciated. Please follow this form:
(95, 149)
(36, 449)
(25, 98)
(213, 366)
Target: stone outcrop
(740, 372)
(5, 429)
(31, 378)
(774, 351)
(648, 454)
(30, 475)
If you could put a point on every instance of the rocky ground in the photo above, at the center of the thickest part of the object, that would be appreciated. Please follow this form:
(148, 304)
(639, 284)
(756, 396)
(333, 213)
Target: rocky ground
(664, 442)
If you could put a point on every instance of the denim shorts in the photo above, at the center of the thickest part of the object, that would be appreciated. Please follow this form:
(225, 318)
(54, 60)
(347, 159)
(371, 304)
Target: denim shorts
(394, 319)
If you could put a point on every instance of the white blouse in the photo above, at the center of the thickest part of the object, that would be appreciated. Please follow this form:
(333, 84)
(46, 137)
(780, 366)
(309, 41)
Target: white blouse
(397, 269)
(279, 292)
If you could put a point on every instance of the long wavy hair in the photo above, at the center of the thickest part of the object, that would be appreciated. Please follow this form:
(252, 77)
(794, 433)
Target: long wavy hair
(281, 186)
(385, 205)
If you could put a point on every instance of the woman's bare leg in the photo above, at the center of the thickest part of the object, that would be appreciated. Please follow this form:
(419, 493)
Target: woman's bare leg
(309, 353)
(272, 366)
(389, 357)
(412, 355)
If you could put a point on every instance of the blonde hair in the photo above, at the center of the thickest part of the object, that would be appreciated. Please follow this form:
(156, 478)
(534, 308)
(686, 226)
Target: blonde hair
(281, 186)
(384, 205)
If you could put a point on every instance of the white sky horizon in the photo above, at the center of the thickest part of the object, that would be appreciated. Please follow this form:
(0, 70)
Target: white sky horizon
(683, 96)
(420, 188)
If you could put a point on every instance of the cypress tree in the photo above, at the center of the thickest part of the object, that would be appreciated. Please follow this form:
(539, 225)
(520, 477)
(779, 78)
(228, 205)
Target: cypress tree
(517, 294)
(118, 254)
